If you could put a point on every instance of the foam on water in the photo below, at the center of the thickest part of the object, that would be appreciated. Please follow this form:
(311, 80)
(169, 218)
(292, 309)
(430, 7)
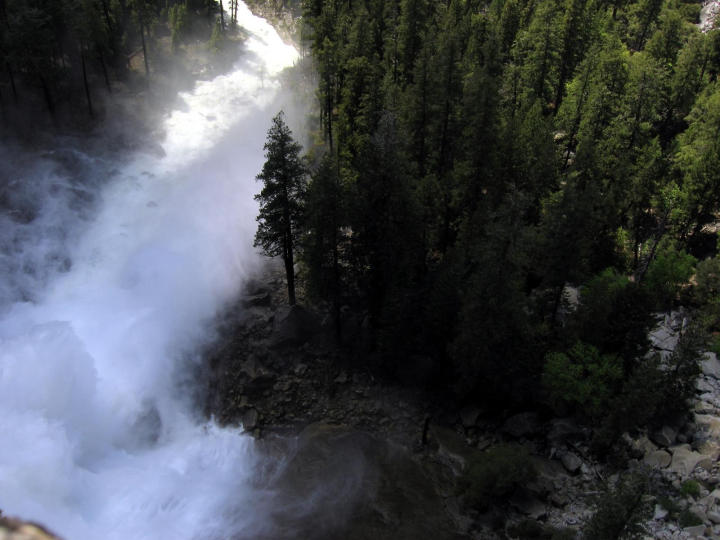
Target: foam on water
(98, 437)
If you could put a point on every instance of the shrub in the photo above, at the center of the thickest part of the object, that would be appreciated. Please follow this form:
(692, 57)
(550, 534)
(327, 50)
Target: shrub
(614, 315)
(620, 510)
(495, 475)
(582, 378)
(691, 488)
(706, 291)
(666, 274)
(688, 519)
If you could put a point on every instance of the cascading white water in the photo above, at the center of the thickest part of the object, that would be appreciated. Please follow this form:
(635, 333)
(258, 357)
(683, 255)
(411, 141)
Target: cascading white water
(97, 436)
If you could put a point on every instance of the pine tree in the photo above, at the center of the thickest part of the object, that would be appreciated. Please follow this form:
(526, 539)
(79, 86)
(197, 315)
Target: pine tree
(281, 198)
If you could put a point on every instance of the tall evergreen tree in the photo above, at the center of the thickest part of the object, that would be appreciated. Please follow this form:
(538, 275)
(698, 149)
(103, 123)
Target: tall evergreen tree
(281, 198)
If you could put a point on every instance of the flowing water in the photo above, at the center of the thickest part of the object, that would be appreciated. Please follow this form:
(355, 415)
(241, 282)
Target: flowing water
(106, 296)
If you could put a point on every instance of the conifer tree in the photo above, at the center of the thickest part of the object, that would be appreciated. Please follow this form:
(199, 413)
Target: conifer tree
(281, 198)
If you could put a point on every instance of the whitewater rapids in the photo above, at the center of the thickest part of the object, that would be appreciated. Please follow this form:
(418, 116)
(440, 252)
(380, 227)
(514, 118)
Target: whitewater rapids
(99, 434)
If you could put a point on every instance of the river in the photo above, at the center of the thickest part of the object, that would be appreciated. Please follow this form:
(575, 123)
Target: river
(104, 310)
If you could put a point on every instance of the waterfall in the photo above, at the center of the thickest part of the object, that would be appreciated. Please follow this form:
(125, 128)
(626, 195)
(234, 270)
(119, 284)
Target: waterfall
(104, 311)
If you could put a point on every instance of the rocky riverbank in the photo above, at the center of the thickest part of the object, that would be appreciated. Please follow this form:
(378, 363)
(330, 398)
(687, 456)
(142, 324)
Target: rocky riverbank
(277, 371)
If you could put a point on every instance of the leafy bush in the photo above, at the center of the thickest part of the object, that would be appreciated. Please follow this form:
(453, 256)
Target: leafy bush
(653, 392)
(582, 378)
(614, 315)
(620, 510)
(666, 274)
(706, 292)
(496, 474)
(179, 19)
(691, 488)
(689, 519)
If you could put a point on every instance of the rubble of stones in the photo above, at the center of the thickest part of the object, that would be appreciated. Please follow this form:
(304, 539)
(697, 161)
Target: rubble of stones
(281, 371)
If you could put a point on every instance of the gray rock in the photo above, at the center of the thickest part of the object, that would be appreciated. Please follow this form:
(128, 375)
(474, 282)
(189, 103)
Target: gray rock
(710, 365)
(664, 338)
(257, 300)
(702, 386)
(660, 513)
(528, 505)
(16, 529)
(559, 499)
(664, 437)
(521, 425)
(694, 532)
(341, 379)
(714, 516)
(300, 369)
(294, 327)
(658, 459)
(571, 462)
(564, 429)
(249, 420)
(469, 416)
(685, 460)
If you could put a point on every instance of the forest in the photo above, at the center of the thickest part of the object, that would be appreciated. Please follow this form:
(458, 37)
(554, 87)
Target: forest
(475, 166)
(477, 163)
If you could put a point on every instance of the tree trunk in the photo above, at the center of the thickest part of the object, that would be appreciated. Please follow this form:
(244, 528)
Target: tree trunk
(105, 72)
(145, 56)
(12, 81)
(85, 83)
(290, 270)
(222, 16)
(47, 96)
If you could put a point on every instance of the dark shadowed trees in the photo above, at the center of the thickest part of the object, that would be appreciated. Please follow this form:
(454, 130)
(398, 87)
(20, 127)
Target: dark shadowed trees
(281, 198)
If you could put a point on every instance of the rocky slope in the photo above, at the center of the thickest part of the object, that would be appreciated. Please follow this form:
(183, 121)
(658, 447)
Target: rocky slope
(278, 372)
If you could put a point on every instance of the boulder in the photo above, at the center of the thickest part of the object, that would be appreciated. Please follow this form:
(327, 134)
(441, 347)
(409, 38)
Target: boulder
(257, 300)
(528, 505)
(664, 437)
(469, 416)
(696, 531)
(641, 446)
(664, 338)
(703, 387)
(659, 459)
(294, 327)
(15, 529)
(710, 365)
(249, 420)
(684, 460)
(565, 429)
(521, 425)
(708, 424)
(660, 513)
(714, 516)
(571, 462)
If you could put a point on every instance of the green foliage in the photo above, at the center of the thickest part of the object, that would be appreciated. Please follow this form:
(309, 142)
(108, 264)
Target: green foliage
(583, 379)
(690, 488)
(654, 391)
(667, 273)
(179, 19)
(281, 198)
(217, 38)
(621, 509)
(687, 518)
(614, 316)
(496, 474)
(706, 292)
